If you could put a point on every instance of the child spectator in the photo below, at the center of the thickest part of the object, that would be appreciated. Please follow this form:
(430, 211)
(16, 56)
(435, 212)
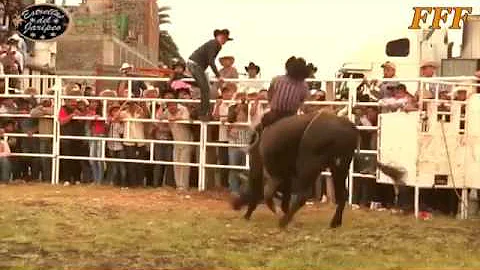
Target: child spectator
(86, 170)
(162, 174)
(96, 128)
(116, 171)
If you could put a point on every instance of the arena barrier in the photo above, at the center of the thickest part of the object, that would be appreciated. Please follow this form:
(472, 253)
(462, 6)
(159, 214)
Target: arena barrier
(385, 152)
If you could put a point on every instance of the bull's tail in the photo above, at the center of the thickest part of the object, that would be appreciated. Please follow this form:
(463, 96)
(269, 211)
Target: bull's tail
(397, 174)
(255, 139)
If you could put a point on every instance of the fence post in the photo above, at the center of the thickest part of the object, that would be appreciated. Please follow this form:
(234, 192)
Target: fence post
(352, 98)
(56, 131)
(202, 156)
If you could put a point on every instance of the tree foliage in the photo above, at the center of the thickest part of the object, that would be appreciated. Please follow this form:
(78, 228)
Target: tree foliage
(167, 49)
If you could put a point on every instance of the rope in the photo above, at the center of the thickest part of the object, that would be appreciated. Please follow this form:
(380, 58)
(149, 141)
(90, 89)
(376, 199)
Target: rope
(317, 114)
(450, 165)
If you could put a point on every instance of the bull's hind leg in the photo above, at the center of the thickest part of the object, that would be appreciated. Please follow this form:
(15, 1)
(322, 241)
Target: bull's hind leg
(308, 168)
(339, 169)
(271, 187)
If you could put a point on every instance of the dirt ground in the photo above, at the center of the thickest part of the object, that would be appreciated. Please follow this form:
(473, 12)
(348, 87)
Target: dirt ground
(91, 227)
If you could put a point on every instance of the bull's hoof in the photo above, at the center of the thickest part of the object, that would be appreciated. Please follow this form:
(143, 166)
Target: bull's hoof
(237, 203)
(334, 225)
(271, 205)
(283, 222)
(247, 216)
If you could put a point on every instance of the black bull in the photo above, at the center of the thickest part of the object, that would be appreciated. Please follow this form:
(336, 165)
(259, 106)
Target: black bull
(291, 153)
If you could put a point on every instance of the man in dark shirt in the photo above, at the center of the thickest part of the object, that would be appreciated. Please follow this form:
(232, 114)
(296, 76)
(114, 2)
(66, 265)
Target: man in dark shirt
(198, 62)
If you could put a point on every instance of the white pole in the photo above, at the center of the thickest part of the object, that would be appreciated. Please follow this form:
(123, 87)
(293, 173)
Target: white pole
(202, 158)
(464, 204)
(352, 99)
(56, 140)
(416, 201)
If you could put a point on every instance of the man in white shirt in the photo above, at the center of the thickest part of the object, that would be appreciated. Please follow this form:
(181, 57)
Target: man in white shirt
(180, 132)
(134, 150)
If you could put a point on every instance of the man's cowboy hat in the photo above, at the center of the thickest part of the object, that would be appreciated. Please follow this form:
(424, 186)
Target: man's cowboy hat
(50, 92)
(71, 91)
(113, 105)
(150, 92)
(226, 57)
(125, 66)
(252, 65)
(224, 32)
(178, 63)
(389, 65)
(30, 91)
(429, 63)
(108, 93)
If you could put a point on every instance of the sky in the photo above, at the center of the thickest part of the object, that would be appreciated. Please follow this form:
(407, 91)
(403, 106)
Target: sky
(267, 32)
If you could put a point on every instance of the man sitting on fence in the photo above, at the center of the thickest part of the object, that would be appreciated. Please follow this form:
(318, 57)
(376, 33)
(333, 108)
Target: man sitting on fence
(198, 62)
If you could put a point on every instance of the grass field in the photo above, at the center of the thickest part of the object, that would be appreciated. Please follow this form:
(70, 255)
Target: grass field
(83, 227)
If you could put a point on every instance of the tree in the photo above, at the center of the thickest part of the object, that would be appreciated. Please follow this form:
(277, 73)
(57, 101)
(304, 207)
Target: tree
(167, 49)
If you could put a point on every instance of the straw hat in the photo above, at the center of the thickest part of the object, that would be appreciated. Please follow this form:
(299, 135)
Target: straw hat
(108, 93)
(71, 91)
(428, 63)
(125, 66)
(150, 92)
(113, 105)
(226, 58)
(389, 64)
(30, 91)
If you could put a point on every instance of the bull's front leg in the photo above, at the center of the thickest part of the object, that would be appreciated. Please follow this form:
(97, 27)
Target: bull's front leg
(271, 187)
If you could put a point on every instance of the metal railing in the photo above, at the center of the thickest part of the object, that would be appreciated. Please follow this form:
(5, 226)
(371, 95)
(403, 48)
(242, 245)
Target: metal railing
(203, 142)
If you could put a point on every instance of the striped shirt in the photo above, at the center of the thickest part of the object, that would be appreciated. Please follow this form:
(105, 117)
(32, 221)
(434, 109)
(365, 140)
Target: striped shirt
(286, 94)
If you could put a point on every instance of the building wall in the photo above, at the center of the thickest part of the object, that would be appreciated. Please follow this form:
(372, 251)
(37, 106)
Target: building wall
(88, 42)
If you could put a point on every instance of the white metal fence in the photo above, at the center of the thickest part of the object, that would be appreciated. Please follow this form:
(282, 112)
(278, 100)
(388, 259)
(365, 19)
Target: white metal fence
(57, 83)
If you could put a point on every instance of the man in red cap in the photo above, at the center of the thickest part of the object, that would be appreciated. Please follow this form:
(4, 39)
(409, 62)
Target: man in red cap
(198, 62)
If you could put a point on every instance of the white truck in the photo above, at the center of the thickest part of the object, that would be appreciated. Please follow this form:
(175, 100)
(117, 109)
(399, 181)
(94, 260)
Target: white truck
(407, 51)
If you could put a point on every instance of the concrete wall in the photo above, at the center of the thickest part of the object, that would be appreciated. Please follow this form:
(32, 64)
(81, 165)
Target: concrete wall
(88, 42)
